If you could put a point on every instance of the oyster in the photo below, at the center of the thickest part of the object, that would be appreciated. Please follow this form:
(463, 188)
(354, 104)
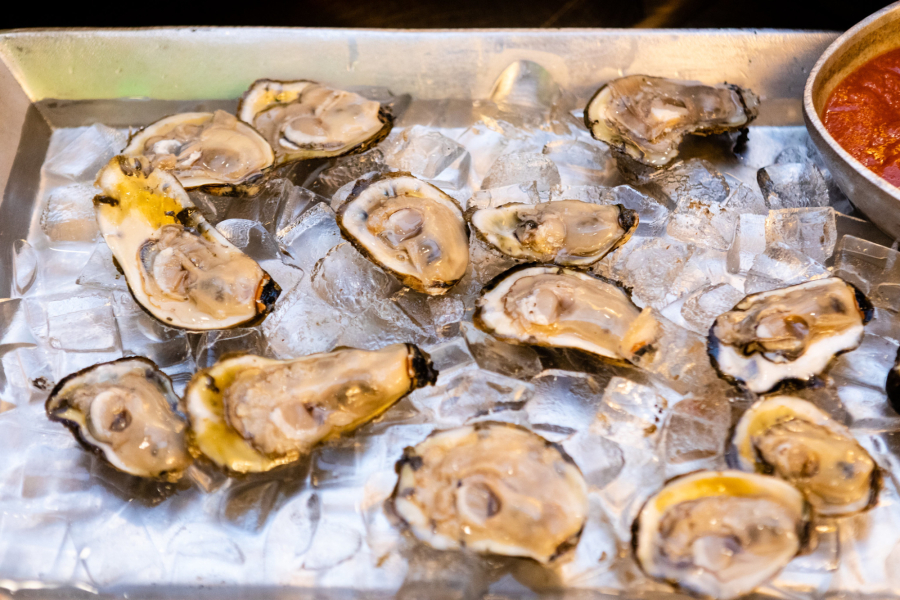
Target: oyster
(788, 333)
(493, 488)
(305, 119)
(892, 384)
(204, 149)
(647, 117)
(720, 533)
(546, 305)
(251, 414)
(125, 411)
(794, 440)
(410, 228)
(178, 267)
(565, 232)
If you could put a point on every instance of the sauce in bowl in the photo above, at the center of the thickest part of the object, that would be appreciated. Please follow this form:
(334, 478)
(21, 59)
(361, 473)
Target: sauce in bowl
(863, 115)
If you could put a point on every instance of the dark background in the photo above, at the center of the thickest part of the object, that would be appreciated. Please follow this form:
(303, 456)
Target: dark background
(824, 14)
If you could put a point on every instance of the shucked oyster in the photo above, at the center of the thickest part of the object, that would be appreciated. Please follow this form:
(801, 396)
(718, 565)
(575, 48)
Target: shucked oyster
(493, 488)
(203, 149)
(647, 117)
(410, 228)
(125, 411)
(720, 533)
(552, 306)
(789, 333)
(178, 267)
(251, 414)
(305, 119)
(565, 232)
(792, 439)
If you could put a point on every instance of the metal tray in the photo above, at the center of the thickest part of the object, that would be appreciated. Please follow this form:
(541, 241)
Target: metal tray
(130, 77)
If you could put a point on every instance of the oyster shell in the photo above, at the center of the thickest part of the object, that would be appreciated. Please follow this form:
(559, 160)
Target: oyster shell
(305, 119)
(204, 149)
(493, 488)
(794, 440)
(251, 414)
(788, 334)
(892, 384)
(564, 232)
(410, 228)
(720, 533)
(647, 117)
(547, 305)
(178, 267)
(125, 411)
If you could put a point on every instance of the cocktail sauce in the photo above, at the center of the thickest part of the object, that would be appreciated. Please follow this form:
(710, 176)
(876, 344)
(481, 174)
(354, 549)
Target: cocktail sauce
(863, 115)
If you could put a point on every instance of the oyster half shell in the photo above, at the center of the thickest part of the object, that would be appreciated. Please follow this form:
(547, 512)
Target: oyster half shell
(720, 534)
(564, 232)
(794, 440)
(125, 411)
(251, 414)
(178, 267)
(210, 150)
(304, 119)
(647, 117)
(492, 488)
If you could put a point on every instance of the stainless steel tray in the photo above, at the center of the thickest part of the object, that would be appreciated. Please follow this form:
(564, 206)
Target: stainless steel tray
(64, 78)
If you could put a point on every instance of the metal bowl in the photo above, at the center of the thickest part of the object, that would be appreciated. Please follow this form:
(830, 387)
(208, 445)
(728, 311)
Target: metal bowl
(874, 196)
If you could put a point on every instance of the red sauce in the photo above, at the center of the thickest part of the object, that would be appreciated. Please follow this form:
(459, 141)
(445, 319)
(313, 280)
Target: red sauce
(863, 115)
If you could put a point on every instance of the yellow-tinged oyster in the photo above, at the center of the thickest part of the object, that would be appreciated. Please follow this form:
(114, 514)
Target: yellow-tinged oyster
(251, 414)
(204, 149)
(304, 119)
(178, 267)
(125, 411)
(492, 488)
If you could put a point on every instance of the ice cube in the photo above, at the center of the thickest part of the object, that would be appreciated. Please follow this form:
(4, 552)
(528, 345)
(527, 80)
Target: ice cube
(869, 363)
(563, 403)
(783, 263)
(272, 199)
(485, 146)
(708, 224)
(100, 271)
(809, 230)
(695, 434)
(793, 185)
(473, 395)
(349, 281)
(89, 329)
(438, 315)
(69, 214)
(525, 84)
(653, 268)
(486, 262)
(202, 553)
(599, 458)
(867, 407)
(312, 236)
(512, 169)
(346, 169)
(255, 241)
(143, 335)
(302, 323)
(860, 228)
(213, 207)
(212, 345)
(749, 241)
(695, 178)
(451, 356)
(25, 266)
(702, 307)
(874, 269)
(652, 215)
(744, 199)
(583, 163)
(291, 212)
(423, 152)
(524, 193)
(88, 151)
(494, 355)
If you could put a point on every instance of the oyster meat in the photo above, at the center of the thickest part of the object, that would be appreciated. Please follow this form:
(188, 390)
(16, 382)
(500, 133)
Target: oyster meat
(410, 228)
(564, 232)
(547, 305)
(794, 440)
(790, 333)
(251, 414)
(492, 488)
(647, 117)
(126, 411)
(178, 267)
(305, 119)
(204, 149)
(720, 533)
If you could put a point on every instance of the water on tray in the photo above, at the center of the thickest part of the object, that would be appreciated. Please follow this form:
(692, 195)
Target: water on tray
(711, 231)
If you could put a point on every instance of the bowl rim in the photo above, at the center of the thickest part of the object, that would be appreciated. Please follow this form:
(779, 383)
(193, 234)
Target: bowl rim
(812, 116)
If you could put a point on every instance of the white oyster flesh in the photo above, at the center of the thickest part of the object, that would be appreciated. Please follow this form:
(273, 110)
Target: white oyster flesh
(492, 488)
(203, 148)
(720, 534)
(788, 333)
(125, 409)
(305, 119)
(179, 268)
(806, 447)
(554, 306)
(565, 232)
(410, 228)
(647, 117)
(251, 413)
